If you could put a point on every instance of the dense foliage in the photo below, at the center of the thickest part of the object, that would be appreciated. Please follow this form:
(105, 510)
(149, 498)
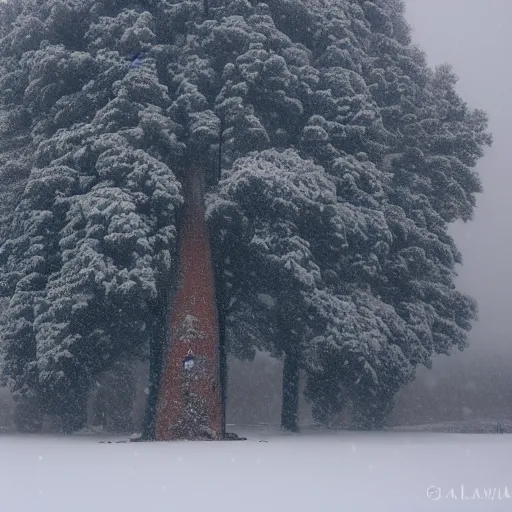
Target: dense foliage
(343, 160)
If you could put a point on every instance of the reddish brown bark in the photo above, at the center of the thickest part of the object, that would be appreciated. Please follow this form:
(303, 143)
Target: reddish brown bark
(189, 402)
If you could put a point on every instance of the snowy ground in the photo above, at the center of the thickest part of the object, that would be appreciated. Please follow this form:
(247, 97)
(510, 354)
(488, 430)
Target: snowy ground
(473, 426)
(315, 471)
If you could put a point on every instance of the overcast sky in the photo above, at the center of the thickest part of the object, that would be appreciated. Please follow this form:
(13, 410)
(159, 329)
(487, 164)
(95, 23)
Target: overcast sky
(474, 36)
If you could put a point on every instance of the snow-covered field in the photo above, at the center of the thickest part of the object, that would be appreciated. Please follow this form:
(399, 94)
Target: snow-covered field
(315, 471)
(474, 426)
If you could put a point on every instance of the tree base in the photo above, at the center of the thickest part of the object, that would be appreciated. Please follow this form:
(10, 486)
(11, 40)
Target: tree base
(228, 436)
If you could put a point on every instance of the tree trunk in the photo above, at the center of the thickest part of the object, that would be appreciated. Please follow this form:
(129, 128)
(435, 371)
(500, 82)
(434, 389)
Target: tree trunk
(190, 392)
(156, 355)
(223, 367)
(290, 407)
(220, 288)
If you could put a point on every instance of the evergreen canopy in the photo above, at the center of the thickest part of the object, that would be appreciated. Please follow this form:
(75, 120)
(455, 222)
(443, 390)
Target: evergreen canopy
(344, 159)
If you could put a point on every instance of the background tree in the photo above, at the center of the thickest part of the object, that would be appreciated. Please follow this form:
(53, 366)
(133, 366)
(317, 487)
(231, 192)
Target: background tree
(407, 276)
(418, 274)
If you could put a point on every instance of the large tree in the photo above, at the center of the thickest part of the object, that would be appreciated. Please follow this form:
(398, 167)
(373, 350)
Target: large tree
(342, 159)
